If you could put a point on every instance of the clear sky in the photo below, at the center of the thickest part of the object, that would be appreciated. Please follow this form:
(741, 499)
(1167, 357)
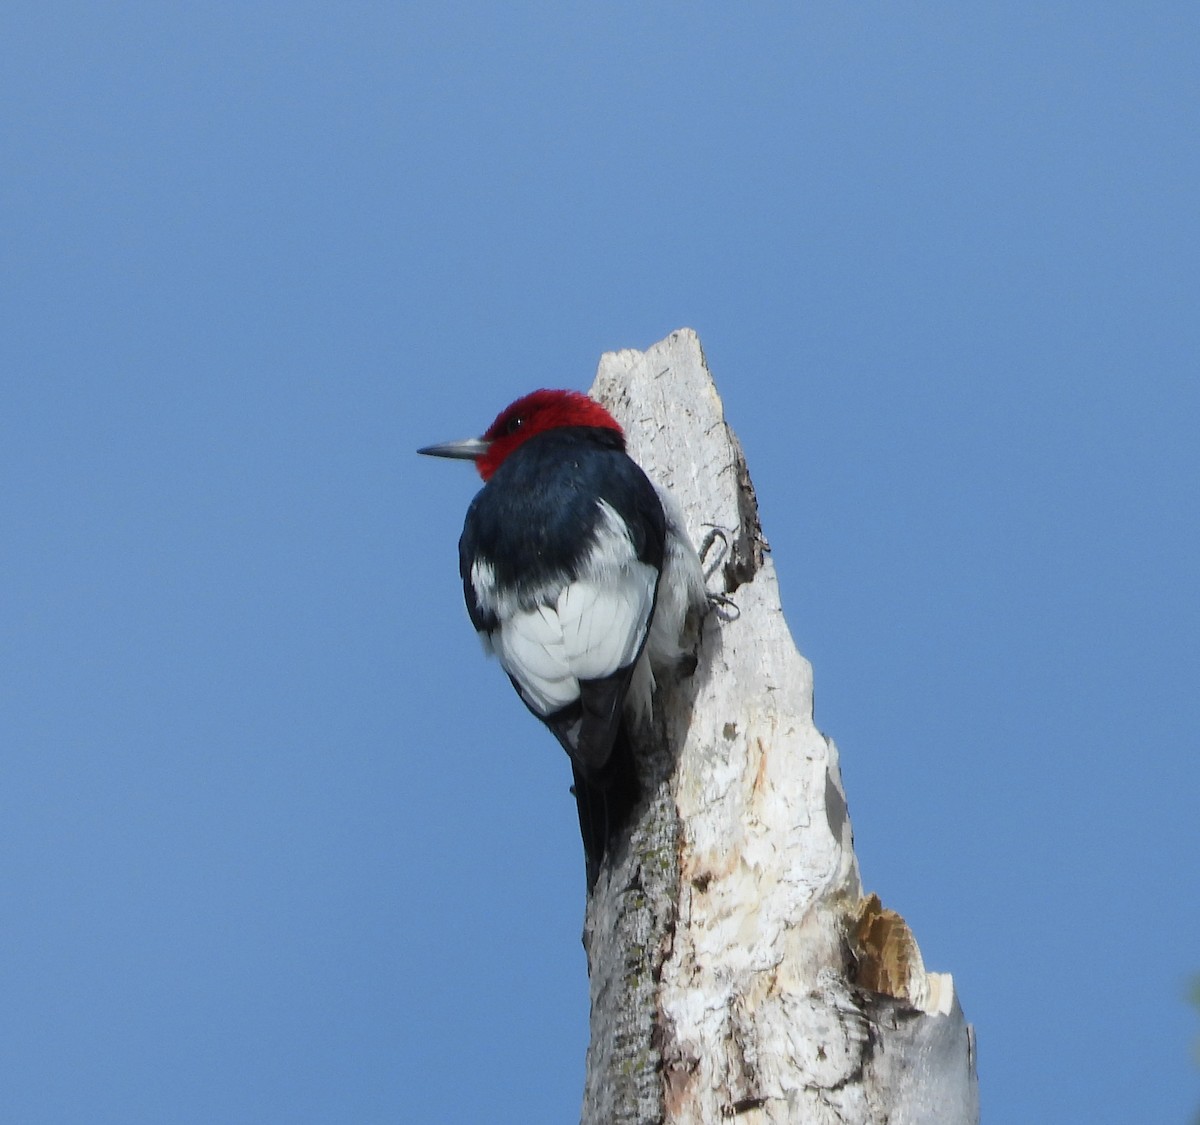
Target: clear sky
(276, 843)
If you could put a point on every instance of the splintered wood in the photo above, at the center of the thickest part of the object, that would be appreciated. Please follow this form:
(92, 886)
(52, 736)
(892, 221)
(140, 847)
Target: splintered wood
(736, 970)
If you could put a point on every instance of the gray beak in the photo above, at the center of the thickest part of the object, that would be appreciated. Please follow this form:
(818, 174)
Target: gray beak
(467, 450)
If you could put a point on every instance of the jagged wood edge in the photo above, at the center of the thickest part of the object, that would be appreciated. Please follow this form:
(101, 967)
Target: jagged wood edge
(643, 973)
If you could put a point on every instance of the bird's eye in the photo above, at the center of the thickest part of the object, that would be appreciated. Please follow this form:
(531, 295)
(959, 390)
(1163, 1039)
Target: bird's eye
(514, 424)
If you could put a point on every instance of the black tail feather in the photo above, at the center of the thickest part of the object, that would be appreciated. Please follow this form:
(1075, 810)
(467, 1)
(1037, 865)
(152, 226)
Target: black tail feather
(605, 799)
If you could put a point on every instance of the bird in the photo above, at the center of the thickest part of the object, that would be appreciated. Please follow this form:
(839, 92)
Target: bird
(579, 576)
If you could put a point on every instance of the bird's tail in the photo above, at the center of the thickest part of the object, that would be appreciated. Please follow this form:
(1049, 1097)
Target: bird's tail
(605, 799)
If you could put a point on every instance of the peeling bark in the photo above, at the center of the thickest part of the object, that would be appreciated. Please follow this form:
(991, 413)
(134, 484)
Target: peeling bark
(736, 970)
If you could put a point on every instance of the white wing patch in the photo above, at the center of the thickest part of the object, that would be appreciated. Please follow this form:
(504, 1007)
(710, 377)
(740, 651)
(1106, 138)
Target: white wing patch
(590, 627)
(603, 626)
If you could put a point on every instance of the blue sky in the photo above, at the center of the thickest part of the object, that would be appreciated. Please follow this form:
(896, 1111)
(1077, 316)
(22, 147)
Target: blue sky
(276, 843)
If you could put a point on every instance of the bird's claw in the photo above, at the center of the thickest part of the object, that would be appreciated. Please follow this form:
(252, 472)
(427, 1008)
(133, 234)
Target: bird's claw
(706, 545)
(726, 607)
(723, 605)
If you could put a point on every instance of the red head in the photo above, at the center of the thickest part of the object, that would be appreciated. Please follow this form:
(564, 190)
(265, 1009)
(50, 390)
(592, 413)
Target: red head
(536, 412)
(525, 418)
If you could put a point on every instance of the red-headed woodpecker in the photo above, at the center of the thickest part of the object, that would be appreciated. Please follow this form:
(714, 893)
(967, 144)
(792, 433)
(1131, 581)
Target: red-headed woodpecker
(578, 575)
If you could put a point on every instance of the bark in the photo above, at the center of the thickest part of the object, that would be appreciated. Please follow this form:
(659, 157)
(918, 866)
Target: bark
(737, 972)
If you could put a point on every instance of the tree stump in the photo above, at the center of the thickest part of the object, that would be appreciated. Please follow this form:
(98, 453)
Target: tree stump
(737, 972)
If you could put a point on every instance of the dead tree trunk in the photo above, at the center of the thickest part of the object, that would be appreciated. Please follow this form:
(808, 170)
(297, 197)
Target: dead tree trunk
(737, 972)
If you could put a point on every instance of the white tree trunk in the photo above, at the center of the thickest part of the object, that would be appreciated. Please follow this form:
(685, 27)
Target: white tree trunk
(737, 972)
